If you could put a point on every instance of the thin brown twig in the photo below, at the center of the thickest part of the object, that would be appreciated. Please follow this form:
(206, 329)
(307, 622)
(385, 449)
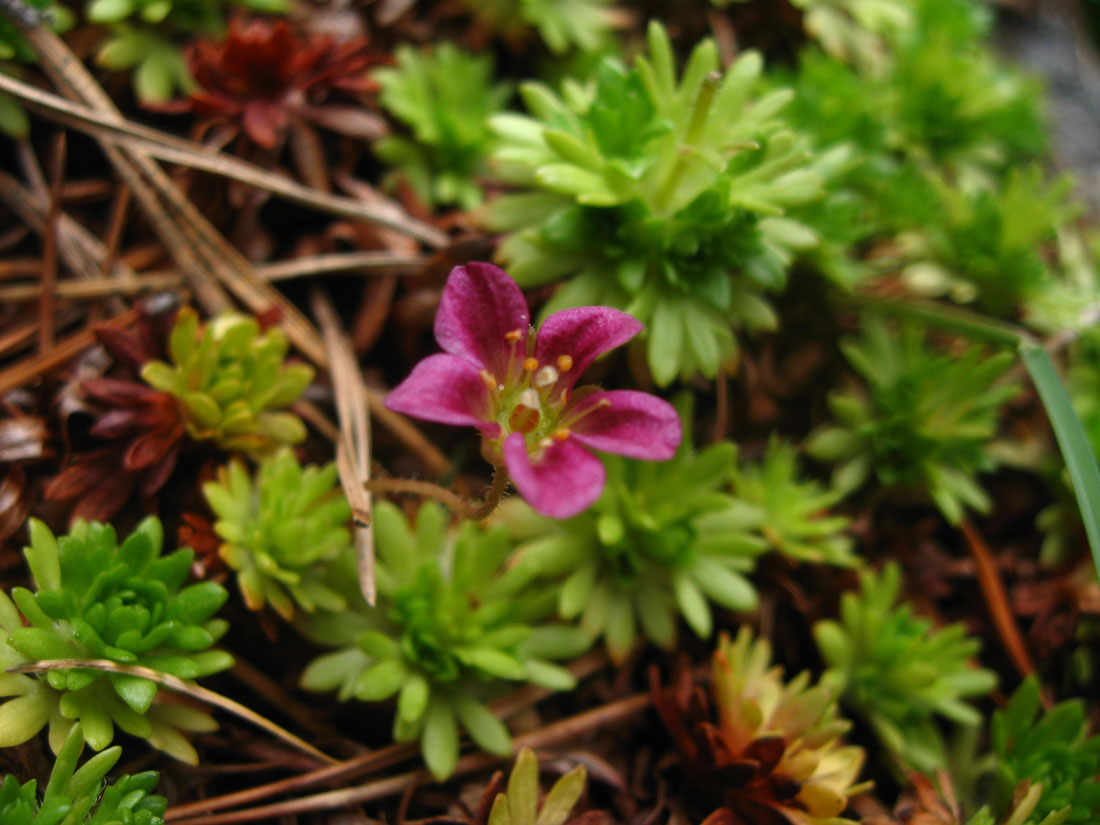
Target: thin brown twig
(561, 731)
(993, 590)
(30, 368)
(178, 685)
(47, 301)
(82, 252)
(120, 208)
(473, 510)
(378, 760)
(23, 335)
(95, 289)
(199, 249)
(153, 143)
(263, 685)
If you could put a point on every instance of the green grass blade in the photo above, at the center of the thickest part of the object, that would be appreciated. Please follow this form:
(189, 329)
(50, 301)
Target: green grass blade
(1074, 444)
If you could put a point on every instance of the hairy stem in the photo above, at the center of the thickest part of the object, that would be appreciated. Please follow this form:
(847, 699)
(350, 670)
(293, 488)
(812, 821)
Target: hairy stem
(473, 510)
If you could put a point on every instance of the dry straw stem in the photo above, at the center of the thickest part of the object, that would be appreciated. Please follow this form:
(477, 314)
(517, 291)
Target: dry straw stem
(188, 153)
(67, 348)
(129, 283)
(376, 760)
(197, 247)
(47, 299)
(353, 447)
(174, 683)
(83, 253)
(608, 715)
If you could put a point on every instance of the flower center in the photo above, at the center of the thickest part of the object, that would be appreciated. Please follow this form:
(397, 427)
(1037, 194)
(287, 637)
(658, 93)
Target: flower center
(525, 400)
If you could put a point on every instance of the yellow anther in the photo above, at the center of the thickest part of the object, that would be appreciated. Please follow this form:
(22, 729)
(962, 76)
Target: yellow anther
(565, 363)
(513, 335)
(531, 364)
(546, 376)
(488, 378)
(561, 434)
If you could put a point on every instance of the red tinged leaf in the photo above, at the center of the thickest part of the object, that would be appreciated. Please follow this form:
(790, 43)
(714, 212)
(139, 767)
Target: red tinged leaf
(88, 471)
(146, 450)
(767, 751)
(119, 393)
(116, 423)
(723, 816)
(158, 475)
(106, 498)
(264, 72)
(270, 317)
(783, 787)
(123, 345)
(264, 123)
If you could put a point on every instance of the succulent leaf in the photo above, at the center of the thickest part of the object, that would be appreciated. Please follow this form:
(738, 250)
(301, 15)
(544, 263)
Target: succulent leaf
(230, 380)
(126, 604)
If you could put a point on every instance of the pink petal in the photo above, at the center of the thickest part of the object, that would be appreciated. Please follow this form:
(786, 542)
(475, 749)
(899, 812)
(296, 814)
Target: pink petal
(565, 480)
(481, 305)
(576, 337)
(447, 389)
(625, 422)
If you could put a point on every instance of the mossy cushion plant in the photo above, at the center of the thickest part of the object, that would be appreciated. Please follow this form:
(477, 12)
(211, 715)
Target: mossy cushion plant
(445, 97)
(663, 541)
(231, 382)
(1046, 760)
(795, 511)
(280, 530)
(660, 196)
(80, 796)
(447, 634)
(125, 603)
(562, 24)
(986, 246)
(899, 673)
(925, 421)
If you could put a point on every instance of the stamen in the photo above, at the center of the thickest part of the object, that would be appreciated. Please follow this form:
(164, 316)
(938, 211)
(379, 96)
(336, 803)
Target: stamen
(513, 335)
(529, 398)
(531, 364)
(546, 442)
(561, 434)
(488, 378)
(565, 363)
(546, 377)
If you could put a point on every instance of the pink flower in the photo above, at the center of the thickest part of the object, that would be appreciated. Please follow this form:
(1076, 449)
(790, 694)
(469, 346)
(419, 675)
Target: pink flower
(516, 387)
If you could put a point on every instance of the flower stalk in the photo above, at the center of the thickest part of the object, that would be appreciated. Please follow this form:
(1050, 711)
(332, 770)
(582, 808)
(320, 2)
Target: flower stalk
(467, 508)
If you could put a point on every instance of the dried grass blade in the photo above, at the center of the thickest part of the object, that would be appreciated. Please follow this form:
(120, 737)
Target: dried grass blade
(353, 448)
(187, 153)
(562, 731)
(174, 683)
(30, 368)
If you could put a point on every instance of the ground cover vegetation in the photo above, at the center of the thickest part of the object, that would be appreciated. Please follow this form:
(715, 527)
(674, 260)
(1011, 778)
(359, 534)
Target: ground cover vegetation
(693, 403)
